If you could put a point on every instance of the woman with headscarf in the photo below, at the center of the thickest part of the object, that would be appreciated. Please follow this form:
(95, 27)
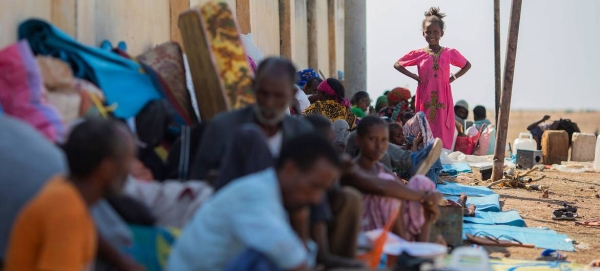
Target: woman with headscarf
(381, 103)
(360, 104)
(305, 75)
(397, 104)
(332, 103)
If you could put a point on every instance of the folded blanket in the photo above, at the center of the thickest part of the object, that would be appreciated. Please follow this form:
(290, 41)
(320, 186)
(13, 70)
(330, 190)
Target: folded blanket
(22, 93)
(121, 79)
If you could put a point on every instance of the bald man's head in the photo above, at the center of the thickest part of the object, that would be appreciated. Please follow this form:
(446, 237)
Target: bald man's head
(274, 89)
(276, 67)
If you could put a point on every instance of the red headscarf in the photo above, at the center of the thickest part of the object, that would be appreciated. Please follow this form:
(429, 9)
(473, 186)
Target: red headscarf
(327, 89)
(398, 95)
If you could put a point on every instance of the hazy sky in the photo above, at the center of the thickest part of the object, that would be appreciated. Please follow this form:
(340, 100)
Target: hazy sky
(558, 57)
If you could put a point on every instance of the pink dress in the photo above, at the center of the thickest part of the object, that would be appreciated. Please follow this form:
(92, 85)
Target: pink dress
(434, 94)
(377, 209)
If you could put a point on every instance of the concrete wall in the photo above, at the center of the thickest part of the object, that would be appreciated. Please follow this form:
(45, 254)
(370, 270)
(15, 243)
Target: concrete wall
(264, 20)
(143, 24)
(300, 55)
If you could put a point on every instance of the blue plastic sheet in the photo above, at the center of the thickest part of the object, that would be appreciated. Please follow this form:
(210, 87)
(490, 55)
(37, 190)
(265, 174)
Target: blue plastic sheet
(541, 238)
(454, 189)
(490, 203)
(511, 218)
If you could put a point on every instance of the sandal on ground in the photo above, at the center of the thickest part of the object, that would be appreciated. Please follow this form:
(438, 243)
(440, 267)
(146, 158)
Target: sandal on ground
(568, 208)
(485, 239)
(563, 215)
(589, 223)
(551, 255)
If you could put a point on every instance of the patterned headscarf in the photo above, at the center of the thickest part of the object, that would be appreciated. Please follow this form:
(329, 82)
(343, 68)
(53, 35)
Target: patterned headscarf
(399, 95)
(305, 75)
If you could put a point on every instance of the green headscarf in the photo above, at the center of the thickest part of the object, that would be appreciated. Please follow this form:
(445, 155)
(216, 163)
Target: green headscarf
(380, 100)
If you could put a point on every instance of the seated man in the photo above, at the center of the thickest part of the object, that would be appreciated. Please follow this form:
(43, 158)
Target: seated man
(259, 132)
(538, 128)
(274, 89)
(251, 213)
(479, 115)
(461, 113)
(335, 225)
(55, 230)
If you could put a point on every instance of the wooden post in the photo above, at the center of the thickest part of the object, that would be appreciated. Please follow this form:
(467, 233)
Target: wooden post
(286, 21)
(313, 52)
(332, 44)
(243, 15)
(509, 70)
(497, 63)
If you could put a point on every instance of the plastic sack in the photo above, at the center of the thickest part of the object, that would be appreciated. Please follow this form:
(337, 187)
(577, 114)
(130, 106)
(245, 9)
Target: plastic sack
(486, 139)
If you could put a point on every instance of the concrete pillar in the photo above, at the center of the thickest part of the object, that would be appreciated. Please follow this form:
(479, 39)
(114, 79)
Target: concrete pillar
(313, 49)
(355, 46)
(332, 45)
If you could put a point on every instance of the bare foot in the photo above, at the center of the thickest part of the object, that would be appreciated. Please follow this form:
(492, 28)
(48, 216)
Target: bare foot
(471, 210)
(462, 200)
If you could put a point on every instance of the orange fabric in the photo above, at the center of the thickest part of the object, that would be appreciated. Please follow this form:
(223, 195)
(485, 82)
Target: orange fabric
(373, 257)
(54, 231)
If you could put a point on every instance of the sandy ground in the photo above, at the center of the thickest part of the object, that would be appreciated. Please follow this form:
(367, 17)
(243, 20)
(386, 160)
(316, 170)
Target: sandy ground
(578, 189)
(574, 189)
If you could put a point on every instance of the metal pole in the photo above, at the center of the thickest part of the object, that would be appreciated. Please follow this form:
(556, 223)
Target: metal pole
(509, 70)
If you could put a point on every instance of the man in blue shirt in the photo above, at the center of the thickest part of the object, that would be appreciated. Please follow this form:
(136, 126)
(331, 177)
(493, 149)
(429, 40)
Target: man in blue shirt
(251, 213)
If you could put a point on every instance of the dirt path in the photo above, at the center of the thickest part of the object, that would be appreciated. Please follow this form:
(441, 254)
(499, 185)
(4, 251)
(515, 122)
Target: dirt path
(577, 189)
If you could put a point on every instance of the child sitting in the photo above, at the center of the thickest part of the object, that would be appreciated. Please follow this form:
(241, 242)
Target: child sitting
(372, 139)
(479, 115)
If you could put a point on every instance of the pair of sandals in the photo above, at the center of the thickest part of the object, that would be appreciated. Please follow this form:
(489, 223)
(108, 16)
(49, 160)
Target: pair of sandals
(568, 212)
(485, 239)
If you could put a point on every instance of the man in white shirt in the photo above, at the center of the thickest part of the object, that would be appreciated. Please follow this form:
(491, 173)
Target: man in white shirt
(251, 212)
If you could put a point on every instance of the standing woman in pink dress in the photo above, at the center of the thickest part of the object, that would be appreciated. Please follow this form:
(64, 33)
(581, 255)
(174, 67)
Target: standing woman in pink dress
(434, 94)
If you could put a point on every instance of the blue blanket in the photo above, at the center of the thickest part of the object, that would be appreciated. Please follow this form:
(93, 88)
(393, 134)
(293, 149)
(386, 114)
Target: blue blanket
(456, 168)
(454, 189)
(541, 238)
(490, 203)
(496, 218)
